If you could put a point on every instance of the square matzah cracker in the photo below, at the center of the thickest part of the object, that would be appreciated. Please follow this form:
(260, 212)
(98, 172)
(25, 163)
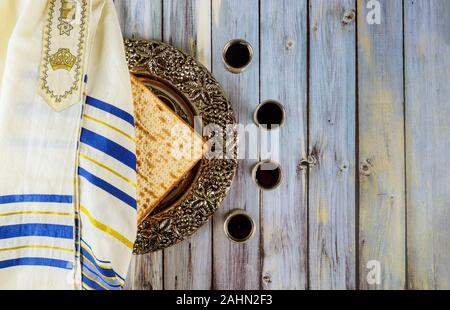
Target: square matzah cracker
(166, 147)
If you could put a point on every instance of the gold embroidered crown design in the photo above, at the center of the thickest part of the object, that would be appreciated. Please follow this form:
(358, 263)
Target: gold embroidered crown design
(63, 59)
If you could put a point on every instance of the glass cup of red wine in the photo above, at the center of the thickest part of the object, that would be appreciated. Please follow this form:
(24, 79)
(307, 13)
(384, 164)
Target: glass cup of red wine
(237, 55)
(239, 226)
(269, 115)
(267, 175)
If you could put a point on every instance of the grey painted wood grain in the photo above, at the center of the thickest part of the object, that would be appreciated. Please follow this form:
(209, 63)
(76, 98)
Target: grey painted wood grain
(146, 272)
(284, 78)
(332, 144)
(381, 146)
(143, 19)
(427, 48)
(237, 266)
(187, 25)
(140, 19)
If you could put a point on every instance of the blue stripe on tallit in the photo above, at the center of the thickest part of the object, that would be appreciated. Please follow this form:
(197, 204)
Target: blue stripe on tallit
(113, 285)
(108, 147)
(110, 109)
(85, 244)
(100, 274)
(91, 284)
(103, 271)
(39, 230)
(36, 261)
(111, 189)
(36, 198)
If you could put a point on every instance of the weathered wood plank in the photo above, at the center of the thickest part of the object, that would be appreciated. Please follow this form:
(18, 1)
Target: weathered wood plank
(332, 145)
(142, 19)
(284, 211)
(187, 25)
(427, 48)
(381, 147)
(146, 272)
(237, 266)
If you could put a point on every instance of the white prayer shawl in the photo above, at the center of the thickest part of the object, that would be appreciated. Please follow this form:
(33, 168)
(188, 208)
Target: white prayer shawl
(67, 165)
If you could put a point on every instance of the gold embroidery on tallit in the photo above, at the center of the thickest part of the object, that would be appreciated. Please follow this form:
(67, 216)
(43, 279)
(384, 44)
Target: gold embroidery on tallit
(68, 13)
(64, 27)
(71, 61)
(68, 10)
(63, 59)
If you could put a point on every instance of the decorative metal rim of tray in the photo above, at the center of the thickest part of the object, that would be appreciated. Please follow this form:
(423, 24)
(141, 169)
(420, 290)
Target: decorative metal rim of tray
(161, 64)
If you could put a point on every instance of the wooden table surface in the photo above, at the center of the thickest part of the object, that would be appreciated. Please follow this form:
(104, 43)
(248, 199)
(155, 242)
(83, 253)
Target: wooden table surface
(365, 150)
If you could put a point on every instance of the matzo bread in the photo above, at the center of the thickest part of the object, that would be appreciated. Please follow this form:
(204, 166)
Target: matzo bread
(166, 147)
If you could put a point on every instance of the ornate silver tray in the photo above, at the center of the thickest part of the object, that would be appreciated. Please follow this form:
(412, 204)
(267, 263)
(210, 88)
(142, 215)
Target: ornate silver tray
(190, 90)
